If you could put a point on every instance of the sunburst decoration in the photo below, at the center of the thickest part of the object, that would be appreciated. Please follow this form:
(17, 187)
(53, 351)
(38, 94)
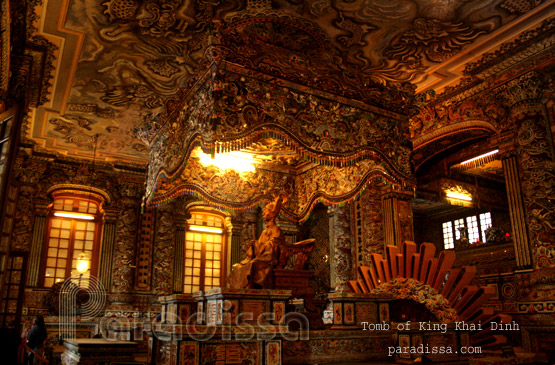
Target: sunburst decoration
(432, 281)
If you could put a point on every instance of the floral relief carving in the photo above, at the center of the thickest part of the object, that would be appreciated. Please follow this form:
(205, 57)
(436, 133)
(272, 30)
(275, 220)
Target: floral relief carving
(408, 288)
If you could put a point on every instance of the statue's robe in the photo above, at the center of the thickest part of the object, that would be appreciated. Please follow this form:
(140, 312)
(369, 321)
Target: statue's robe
(261, 258)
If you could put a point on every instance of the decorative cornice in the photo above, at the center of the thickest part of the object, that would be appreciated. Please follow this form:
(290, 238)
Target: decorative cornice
(528, 46)
(400, 195)
(452, 129)
(85, 188)
(528, 87)
(511, 52)
(37, 152)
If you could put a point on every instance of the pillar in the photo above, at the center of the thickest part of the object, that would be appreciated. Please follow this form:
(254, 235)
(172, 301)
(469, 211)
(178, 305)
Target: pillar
(341, 244)
(179, 253)
(107, 249)
(397, 218)
(124, 252)
(164, 250)
(35, 254)
(517, 212)
(524, 97)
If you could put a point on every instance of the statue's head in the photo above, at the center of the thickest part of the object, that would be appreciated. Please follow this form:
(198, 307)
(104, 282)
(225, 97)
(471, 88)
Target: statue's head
(271, 211)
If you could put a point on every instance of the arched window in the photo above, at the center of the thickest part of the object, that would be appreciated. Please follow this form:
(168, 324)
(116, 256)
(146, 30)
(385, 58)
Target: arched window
(204, 252)
(73, 229)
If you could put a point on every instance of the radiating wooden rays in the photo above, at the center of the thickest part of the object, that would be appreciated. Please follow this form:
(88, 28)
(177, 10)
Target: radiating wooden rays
(438, 272)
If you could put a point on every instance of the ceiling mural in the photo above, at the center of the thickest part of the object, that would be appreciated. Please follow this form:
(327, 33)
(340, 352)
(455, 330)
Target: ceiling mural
(111, 65)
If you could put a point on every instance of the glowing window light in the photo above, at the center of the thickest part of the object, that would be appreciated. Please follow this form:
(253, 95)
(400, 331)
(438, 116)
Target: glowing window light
(240, 162)
(459, 196)
(74, 215)
(479, 157)
(205, 229)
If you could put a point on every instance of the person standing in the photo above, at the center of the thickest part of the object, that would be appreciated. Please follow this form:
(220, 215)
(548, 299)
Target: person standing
(36, 337)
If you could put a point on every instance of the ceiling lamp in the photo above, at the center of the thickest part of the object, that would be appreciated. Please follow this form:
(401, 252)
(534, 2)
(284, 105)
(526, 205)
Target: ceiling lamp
(238, 161)
(74, 215)
(479, 157)
(459, 196)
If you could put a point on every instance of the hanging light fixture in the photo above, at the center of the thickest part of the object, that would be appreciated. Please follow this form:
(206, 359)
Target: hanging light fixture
(83, 263)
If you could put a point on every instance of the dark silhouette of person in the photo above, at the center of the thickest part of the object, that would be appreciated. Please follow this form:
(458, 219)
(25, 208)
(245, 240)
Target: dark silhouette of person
(36, 337)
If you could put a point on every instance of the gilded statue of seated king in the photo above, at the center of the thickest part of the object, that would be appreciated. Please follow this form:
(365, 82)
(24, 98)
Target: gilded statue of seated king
(255, 271)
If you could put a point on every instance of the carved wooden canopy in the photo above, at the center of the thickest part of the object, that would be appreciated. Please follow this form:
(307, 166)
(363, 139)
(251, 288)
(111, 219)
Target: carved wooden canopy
(314, 130)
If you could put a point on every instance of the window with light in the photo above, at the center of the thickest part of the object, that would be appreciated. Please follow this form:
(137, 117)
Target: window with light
(72, 235)
(204, 252)
(475, 227)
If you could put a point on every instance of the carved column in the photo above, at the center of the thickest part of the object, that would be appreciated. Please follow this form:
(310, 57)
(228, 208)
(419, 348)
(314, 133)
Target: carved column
(107, 248)
(164, 240)
(39, 227)
(517, 212)
(125, 249)
(341, 244)
(534, 145)
(368, 226)
(235, 249)
(246, 222)
(397, 214)
(179, 253)
(21, 235)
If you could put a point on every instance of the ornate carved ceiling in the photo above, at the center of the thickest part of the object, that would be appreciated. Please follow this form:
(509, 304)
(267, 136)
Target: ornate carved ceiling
(108, 66)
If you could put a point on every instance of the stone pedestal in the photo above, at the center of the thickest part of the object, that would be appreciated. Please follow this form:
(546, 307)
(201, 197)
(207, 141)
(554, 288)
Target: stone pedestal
(350, 310)
(177, 308)
(221, 306)
(97, 350)
(230, 326)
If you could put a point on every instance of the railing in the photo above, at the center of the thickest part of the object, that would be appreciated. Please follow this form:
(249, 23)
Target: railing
(22, 356)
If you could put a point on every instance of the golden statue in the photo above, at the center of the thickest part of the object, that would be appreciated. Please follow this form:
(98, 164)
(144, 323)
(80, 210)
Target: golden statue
(255, 271)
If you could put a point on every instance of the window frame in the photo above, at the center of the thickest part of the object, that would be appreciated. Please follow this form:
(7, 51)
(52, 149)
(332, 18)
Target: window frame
(455, 234)
(223, 253)
(98, 220)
